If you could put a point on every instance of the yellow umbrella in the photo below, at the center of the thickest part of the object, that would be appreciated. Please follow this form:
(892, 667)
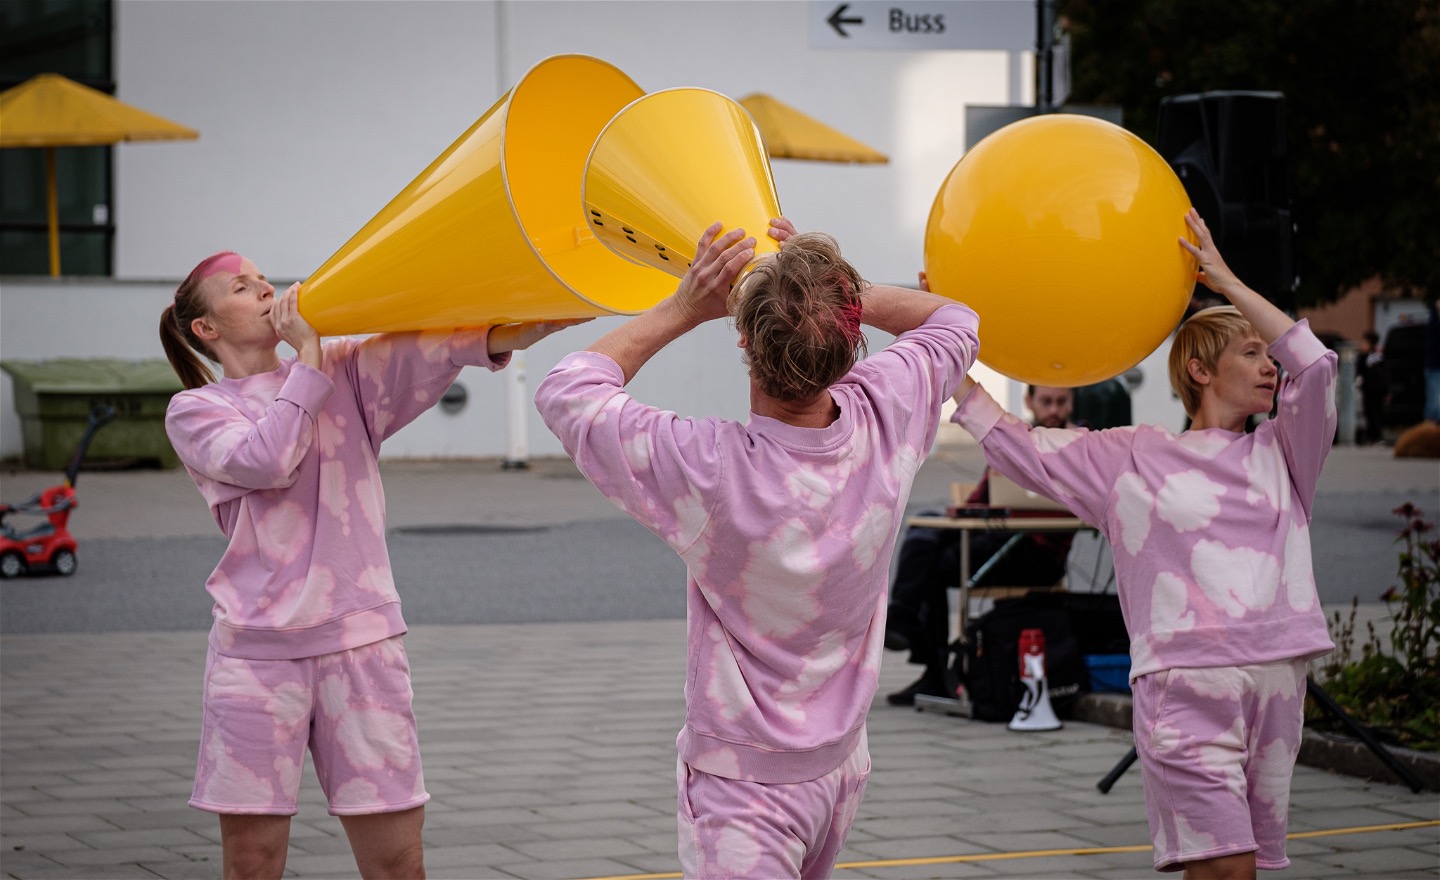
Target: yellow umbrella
(790, 134)
(51, 111)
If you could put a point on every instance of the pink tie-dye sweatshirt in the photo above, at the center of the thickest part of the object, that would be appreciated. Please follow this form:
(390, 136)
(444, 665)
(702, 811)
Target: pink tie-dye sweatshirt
(786, 533)
(1210, 529)
(288, 462)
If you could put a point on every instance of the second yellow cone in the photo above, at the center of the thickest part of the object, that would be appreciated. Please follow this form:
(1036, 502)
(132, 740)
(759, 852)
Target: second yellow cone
(670, 164)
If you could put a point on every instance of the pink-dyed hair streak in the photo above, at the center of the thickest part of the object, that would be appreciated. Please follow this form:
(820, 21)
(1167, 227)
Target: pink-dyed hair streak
(225, 261)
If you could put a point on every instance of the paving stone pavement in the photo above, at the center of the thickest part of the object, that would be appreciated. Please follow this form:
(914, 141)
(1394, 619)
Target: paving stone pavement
(549, 753)
(549, 747)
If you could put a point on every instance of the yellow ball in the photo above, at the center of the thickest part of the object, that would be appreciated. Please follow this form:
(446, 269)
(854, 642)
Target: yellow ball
(1062, 233)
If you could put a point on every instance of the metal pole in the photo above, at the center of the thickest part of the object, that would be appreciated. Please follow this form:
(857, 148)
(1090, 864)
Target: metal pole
(1044, 56)
(1361, 732)
(517, 447)
(52, 211)
(517, 396)
(1117, 771)
(1345, 397)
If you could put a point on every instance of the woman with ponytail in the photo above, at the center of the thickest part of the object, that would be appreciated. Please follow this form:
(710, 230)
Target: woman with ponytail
(305, 650)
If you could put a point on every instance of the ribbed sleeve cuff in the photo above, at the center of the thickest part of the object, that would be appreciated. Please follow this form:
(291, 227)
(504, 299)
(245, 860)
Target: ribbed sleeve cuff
(978, 413)
(470, 347)
(1298, 347)
(307, 388)
(594, 360)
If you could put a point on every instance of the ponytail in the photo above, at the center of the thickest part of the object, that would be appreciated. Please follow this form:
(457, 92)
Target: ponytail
(182, 347)
(192, 370)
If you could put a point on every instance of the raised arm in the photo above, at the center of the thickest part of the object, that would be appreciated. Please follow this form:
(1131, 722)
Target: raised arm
(963, 390)
(898, 309)
(217, 439)
(699, 298)
(518, 337)
(1267, 320)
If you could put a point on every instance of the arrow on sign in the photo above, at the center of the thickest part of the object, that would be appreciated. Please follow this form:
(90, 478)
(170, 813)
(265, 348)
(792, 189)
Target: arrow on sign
(838, 18)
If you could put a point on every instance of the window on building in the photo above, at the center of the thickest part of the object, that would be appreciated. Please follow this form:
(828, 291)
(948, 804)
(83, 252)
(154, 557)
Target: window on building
(72, 38)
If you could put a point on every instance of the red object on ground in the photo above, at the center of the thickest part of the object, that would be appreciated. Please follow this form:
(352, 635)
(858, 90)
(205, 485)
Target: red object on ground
(48, 546)
(1032, 643)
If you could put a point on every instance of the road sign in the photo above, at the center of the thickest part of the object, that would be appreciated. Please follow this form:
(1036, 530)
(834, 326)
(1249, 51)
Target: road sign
(907, 25)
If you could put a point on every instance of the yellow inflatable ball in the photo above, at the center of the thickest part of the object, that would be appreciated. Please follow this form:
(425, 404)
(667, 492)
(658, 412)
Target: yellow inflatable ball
(1062, 232)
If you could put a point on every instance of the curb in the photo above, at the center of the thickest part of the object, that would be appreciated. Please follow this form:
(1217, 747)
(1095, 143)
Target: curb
(1337, 754)
(1351, 757)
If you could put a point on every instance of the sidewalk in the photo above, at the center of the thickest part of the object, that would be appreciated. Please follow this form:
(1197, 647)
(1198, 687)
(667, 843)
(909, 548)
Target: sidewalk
(549, 748)
(549, 752)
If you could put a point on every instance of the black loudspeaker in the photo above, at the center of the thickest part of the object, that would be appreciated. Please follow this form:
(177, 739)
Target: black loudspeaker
(1228, 149)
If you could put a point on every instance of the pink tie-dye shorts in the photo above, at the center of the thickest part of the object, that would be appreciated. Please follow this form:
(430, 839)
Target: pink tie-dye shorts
(731, 828)
(351, 708)
(1217, 749)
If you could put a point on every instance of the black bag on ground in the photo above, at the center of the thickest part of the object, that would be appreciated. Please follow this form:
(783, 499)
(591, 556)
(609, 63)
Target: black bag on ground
(991, 656)
(1097, 622)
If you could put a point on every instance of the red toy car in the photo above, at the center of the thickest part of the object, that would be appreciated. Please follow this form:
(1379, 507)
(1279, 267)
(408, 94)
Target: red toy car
(48, 546)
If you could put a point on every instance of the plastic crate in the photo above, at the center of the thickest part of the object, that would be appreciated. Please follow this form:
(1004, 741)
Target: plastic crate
(1109, 673)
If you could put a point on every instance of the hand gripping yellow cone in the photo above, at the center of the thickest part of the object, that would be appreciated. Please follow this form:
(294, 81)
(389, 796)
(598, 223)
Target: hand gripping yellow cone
(493, 231)
(670, 164)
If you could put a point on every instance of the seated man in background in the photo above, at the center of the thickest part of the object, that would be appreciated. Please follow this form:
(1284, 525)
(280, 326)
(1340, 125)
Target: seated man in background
(929, 562)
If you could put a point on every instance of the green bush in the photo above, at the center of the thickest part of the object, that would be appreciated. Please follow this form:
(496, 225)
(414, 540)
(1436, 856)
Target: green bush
(1396, 692)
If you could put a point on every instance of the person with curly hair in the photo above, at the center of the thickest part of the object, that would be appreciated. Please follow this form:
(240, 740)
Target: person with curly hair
(786, 523)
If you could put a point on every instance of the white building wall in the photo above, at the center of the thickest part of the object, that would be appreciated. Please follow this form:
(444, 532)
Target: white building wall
(313, 114)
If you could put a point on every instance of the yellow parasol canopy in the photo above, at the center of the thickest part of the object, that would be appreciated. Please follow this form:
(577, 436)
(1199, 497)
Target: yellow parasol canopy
(790, 134)
(50, 111)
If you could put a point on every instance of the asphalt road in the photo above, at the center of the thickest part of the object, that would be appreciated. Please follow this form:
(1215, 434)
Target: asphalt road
(592, 570)
(589, 569)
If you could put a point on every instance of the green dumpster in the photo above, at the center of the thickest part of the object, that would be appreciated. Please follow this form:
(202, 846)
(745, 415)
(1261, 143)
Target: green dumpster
(54, 399)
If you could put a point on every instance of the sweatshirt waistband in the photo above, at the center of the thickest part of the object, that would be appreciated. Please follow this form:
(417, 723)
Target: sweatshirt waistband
(340, 634)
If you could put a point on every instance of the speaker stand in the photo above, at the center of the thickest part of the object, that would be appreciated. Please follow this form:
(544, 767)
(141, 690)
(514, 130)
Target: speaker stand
(1362, 733)
(1117, 771)
(943, 705)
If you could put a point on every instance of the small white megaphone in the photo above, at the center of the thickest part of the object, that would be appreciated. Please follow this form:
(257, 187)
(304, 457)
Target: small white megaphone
(1035, 712)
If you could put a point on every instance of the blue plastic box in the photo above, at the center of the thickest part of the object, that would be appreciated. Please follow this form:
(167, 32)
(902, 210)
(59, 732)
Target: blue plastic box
(1109, 673)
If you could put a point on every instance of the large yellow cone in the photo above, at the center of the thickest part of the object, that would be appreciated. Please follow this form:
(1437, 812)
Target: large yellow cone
(494, 230)
(669, 165)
